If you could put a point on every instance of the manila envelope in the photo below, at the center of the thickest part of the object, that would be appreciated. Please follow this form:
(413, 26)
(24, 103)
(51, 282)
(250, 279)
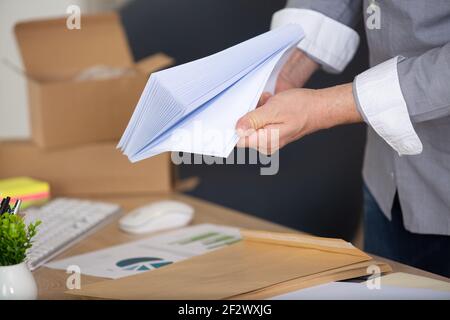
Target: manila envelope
(262, 260)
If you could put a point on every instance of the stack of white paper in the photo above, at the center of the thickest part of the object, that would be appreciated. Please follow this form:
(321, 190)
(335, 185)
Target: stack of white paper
(194, 107)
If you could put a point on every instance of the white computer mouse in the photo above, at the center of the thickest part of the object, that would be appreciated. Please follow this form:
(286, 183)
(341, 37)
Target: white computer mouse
(157, 216)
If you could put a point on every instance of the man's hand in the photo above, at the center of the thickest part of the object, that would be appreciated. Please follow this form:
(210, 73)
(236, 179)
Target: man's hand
(295, 113)
(296, 71)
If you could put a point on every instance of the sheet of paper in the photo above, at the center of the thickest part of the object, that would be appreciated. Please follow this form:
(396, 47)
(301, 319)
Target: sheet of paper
(359, 291)
(151, 253)
(194, 107)
(407, 280)
(211, 130)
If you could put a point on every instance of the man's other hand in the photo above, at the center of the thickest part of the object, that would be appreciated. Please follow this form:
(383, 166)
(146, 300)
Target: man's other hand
(296, 71)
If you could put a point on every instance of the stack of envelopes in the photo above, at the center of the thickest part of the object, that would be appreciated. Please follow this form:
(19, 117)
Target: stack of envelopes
(264, 264)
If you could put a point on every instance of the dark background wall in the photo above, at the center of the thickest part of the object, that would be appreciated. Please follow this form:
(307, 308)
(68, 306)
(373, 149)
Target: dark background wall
(318, 187)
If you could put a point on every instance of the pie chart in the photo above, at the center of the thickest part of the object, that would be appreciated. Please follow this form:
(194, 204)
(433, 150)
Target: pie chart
(142, 263)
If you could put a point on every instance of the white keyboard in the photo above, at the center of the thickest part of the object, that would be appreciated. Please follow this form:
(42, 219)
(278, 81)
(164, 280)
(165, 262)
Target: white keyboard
(64, 222)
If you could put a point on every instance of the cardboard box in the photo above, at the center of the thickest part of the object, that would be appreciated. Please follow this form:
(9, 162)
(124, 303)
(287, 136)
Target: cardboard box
(65, 110)
(94, 169)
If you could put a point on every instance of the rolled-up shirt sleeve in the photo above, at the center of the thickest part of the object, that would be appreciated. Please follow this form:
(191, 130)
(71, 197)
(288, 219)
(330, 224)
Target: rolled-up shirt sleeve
(380, 101)
(402, 91)
(330, 43)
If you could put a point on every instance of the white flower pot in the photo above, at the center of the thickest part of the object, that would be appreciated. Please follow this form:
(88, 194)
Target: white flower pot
(17, 283)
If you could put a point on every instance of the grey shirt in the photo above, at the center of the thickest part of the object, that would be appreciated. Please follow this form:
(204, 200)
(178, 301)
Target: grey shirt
(418, 30)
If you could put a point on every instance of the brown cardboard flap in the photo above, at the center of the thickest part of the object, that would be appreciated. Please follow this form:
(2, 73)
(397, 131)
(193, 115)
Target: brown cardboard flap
(302, 241)
(75, 113)
(50, 50)
(154, 62)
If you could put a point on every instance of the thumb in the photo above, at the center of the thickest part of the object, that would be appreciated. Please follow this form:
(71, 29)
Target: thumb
(255, 120)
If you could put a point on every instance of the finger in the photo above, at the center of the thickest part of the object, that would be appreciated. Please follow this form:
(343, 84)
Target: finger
(255, 120)
(242, 142)
(251, 141)
(269, 139)
(266, 140)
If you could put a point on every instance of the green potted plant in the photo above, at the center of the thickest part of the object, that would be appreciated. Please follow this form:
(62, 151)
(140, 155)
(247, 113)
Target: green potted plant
(16, 280)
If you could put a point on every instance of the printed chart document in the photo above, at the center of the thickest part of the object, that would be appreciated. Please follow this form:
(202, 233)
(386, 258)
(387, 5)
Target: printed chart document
(194, 107)
(151, 253)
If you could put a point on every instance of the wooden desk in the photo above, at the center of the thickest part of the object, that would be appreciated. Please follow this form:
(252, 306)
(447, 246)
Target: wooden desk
(52, 283)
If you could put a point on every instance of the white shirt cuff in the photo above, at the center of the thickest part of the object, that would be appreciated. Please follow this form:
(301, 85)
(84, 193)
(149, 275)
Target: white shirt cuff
(328, 42)
(380, 99)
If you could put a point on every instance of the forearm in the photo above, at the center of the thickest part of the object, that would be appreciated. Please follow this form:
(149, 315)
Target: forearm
(329, 42)
(335, 106)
